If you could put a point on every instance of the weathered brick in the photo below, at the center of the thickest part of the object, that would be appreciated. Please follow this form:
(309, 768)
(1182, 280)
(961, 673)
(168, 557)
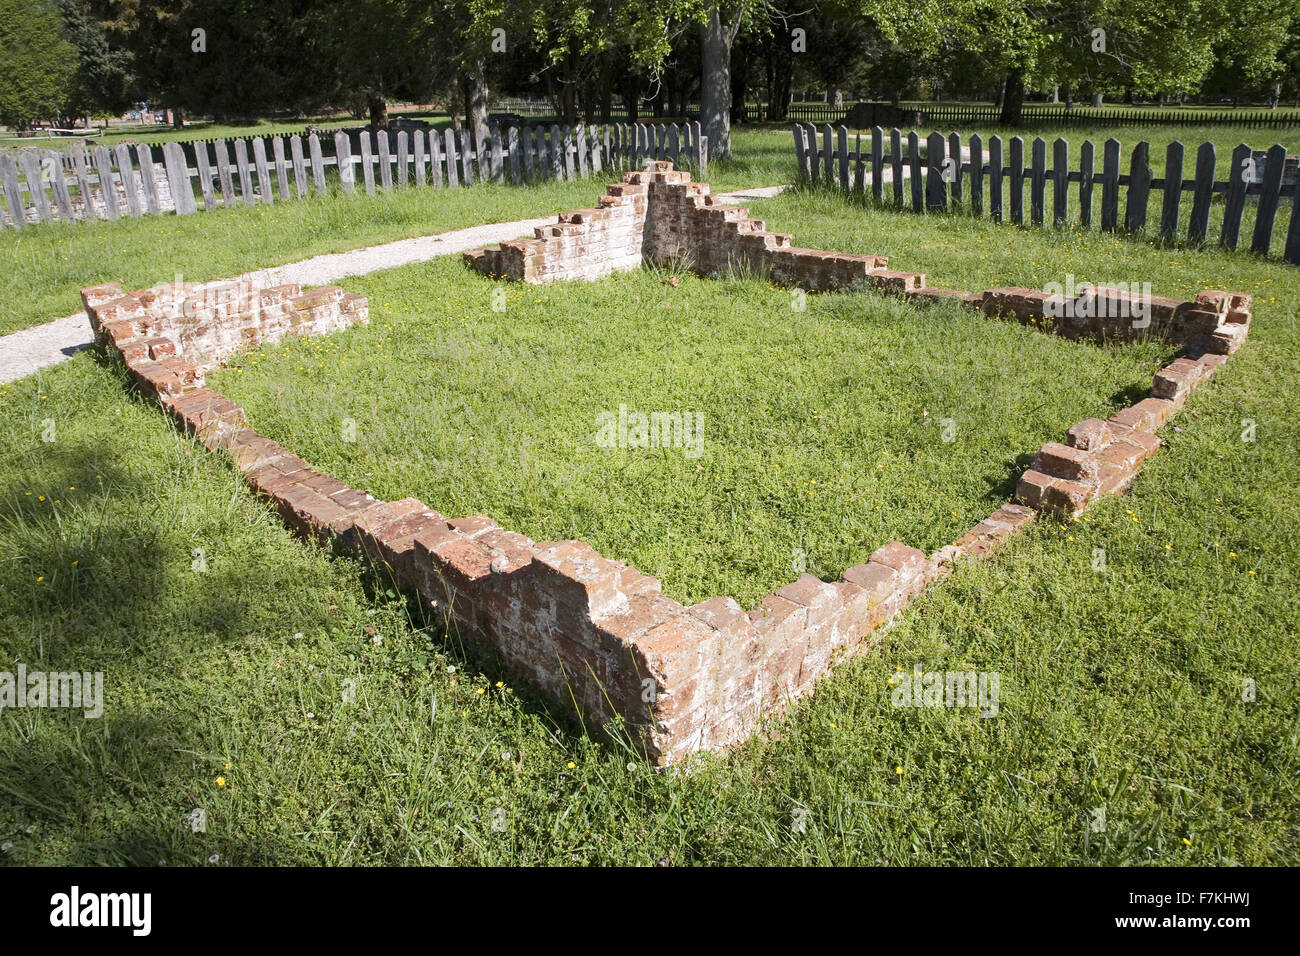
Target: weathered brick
(1089, 434)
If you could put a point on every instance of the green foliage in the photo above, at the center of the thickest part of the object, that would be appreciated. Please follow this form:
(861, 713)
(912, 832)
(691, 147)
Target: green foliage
(104, 82)
(39, 63)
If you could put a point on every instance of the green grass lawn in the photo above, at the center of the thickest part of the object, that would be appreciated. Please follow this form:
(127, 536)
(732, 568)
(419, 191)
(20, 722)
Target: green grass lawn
(205, 129)
(823, 429)
(1120, 689)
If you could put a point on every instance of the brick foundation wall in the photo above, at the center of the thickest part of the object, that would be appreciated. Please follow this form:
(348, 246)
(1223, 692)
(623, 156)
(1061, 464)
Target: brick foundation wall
(586, 631)
(595, 634)
(1099, 457)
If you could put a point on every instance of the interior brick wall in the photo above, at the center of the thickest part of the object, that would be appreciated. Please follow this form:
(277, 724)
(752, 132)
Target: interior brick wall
(659, 216)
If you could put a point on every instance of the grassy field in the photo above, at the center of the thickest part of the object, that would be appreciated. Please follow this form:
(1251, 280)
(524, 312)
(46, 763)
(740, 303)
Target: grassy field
(204, 129)
(43, 268)
(821, 429)
(1121, 689)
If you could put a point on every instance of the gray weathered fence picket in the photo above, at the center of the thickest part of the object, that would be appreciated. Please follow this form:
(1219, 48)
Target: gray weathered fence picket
(942, 171)
(38, 184)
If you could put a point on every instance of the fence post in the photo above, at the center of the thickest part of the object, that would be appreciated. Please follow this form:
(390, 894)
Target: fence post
(1060, 181)
(896, 161)
(367, 162)
(1139, 189)
(1291, 252)
(452, 175)
(299, 165)
(29, 161)
(467, 157)
(343, 156)
(936, 197)
(224, 178)
(317, 162)
(205, 174)
(1109, 185)
(134, 204)
(385, 151)
(977, 174)
(1269, 198)
(1085, 184)
(1017, 180)
(1037, 180)
(1235, 203)
(1173, 191)
(1198, 226)
(245, 173)
(842, 143)
(403, 158)
(263, 171)
(13, 193)
(877, 163)
(914, 160)
(435, 159)
(281, 171)
(104, 166)
(83, 183)
(859, 168)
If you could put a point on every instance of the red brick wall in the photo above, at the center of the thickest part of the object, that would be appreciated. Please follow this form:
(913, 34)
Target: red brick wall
(594, 634)
(658, 216)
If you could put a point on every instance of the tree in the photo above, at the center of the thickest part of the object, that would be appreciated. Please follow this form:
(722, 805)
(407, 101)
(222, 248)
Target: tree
(40, 65)
(103, 80)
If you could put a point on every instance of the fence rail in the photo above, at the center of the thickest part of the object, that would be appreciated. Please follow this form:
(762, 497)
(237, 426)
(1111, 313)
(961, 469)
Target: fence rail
(962, 114)
(44, 185)
(942, 179)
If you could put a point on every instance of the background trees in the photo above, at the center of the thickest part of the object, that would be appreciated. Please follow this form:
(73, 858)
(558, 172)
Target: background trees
(234, 59)
(39, 64)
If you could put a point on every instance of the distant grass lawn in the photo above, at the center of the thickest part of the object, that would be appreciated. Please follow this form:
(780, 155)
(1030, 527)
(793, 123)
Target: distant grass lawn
(43, 268)
(1121, 688)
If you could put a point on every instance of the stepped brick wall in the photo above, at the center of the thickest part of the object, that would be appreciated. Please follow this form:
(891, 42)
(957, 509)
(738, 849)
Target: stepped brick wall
(592, 633)
(658, 216)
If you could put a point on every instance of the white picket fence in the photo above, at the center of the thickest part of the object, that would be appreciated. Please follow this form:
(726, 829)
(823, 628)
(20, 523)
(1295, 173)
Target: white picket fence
(88, 184)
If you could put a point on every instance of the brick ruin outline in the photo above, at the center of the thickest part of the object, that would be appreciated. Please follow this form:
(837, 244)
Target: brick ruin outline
(592, 634)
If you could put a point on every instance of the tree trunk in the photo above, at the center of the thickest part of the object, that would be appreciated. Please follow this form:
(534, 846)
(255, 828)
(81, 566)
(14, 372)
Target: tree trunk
(1069, 97)
(378, 106)
(178, 118)
(1096, 100)
(715, 85)
(476, 101)
(739, 86)
(1014, 98)
(780, 79)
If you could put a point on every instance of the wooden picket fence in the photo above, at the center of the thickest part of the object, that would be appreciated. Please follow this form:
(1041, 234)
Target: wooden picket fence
(42, 185)
(941, 179)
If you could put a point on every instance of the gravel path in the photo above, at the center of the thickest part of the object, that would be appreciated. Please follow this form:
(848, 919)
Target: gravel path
(25, 352)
